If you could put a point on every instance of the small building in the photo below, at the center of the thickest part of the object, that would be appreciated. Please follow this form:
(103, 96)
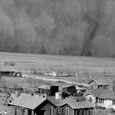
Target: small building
(71, 107)
(70, 89)
(92, 96)
(101, 83)
(48, 89)
(9, 71)
(27, 104)
(106, 100)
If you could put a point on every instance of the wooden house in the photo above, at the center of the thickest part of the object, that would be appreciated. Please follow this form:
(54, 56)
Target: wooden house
(92, 96)
(48, 89)
(27, 104)
(70, 89)
(71, 107)
(10, 72)
(101, 83)
(106, 100)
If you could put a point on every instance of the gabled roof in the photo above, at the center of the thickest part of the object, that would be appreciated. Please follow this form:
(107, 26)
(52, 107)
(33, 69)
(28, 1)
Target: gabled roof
(98, 91)
(53, 100)
(99, 81)
(7, 68)
(107, 95)
(80, 105)
(28, 101)
(103, 93)
(76, 105)
(95, 92)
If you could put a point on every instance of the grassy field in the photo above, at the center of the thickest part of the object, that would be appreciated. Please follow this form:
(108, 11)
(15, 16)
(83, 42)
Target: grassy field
(28, 62)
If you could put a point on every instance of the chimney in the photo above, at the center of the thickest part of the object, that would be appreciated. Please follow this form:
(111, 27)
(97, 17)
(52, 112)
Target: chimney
(32, 93)
(17, 93)
(58, 95)
(44, 95)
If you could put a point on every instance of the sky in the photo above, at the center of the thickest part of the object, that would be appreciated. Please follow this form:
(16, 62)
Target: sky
(61, 27)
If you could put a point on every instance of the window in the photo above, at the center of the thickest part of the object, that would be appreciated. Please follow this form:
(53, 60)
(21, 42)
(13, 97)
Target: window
(51, 110)
(67, 111)
(59, 110)
(113, 102)
(101, 100)
(90, 99)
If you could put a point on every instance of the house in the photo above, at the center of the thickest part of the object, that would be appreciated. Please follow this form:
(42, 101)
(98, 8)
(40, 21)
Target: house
(106, 100)
(101, 83)
(48, 89)
(67, 88)
(92, 96)
(27, 104)
(102, 98)
(70, 106)
(9, 71)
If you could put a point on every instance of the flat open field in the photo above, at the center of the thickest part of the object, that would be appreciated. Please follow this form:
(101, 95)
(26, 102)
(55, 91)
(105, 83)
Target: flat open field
(28, 62)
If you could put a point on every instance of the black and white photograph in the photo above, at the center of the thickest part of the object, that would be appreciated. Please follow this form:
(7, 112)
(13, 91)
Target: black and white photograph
(57, 57)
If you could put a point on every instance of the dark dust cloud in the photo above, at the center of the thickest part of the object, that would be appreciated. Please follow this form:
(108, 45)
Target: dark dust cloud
(66, 27)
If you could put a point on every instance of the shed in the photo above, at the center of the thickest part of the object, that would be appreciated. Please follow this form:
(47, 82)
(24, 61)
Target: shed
(48, 89)
(9, 71)
(68, 88)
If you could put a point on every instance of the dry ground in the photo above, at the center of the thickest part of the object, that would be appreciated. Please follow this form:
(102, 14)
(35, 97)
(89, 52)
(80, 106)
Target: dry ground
(27, 62)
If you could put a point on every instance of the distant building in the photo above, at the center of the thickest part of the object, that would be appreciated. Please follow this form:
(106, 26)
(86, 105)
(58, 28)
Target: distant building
(101, 83)
(48, 89)
(27, 104)
(70, 89)
(9, 71)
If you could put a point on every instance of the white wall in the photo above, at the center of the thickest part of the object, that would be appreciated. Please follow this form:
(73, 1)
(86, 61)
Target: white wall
(92, 98)
(107, 104)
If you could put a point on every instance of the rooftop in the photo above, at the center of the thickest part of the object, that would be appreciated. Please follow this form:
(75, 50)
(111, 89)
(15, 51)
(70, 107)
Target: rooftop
(102, 93)
(76, 105)
(71, 102)
(99, 81)
(28, 101)
(107, 94)
(98, 91)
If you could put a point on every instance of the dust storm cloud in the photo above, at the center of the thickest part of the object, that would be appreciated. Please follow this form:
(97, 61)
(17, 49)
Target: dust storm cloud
(66, 27)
